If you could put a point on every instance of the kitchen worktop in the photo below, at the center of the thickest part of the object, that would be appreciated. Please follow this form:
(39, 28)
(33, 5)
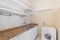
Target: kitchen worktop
(9, 33)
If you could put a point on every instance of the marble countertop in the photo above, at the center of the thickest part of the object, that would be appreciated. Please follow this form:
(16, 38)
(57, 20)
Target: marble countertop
(9, 33)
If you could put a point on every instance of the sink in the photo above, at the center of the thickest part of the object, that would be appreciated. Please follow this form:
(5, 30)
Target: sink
(28, 27)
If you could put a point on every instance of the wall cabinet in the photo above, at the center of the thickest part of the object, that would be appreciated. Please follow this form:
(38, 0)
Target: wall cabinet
(7, 22)
(10, 19)
(28, 35)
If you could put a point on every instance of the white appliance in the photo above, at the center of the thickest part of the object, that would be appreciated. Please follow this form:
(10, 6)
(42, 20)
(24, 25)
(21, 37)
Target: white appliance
(48, 33)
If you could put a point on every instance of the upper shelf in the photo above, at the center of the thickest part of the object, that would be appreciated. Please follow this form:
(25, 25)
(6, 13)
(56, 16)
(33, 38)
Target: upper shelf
(8, 12)
(15, 6)
(12, 4)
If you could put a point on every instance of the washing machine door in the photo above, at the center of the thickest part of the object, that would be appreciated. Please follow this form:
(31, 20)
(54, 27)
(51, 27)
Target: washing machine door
(48, 36)
(48, 33)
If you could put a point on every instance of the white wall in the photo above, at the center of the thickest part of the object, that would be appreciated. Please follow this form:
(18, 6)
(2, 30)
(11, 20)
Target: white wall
(58, 22)
(58, 3)
(44, 4)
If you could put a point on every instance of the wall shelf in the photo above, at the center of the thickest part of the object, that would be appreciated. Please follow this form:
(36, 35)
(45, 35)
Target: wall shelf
(13, 5)
(5, 11)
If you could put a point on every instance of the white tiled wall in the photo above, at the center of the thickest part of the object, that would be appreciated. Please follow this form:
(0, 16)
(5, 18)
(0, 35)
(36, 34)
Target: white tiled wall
(10, 21)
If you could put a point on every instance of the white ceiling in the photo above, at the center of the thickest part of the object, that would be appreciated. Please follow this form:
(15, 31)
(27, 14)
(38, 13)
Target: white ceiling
(33, 1)
(12, 4)
(44, 4)
(37, 4)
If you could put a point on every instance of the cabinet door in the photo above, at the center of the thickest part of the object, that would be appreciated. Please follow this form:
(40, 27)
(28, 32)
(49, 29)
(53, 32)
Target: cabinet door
(15, 38)
(21, 36)
(4, 22)
(34, 33)
(29, 35)
(25, 36)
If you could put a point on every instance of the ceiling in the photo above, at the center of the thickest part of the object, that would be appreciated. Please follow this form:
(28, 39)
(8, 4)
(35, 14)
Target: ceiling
(13, 4)
(33, 1)
(35, 4)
